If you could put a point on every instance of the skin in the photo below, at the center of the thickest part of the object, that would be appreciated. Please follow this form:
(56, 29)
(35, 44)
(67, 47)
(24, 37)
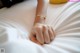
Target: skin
(41, 33)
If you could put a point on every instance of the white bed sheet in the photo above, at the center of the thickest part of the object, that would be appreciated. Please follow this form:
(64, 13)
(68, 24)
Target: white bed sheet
(18, 20)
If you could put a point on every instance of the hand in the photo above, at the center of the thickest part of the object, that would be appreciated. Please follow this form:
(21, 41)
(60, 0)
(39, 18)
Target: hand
(42, 34)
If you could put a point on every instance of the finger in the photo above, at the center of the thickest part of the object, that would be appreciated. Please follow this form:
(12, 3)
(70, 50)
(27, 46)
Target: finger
(51, 33)
(46, 34)
(33, 39)
(32, 35)
(39, 35)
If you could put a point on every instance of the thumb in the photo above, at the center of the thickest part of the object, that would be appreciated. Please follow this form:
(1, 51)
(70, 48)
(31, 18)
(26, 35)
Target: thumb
(33, 39)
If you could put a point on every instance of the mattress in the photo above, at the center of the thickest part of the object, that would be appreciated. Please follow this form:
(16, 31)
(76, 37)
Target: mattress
(16, 23)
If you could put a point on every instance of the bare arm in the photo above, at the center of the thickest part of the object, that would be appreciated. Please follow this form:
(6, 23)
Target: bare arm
(41, 33)
(41, 10)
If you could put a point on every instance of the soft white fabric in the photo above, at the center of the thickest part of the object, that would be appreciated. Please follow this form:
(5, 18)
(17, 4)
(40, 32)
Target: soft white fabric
(16, 22)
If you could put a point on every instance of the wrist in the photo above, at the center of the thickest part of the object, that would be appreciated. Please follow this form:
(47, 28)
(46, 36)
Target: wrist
(39, 19)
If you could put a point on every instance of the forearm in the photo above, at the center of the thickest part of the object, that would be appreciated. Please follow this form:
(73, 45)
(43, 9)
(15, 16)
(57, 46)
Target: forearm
(41, 11)
(41, 33)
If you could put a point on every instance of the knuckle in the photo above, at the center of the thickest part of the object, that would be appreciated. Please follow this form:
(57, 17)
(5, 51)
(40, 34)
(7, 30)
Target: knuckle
(38, 28)
(44, 27)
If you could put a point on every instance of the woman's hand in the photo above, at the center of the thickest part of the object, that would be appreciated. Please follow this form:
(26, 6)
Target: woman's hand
(42, 34)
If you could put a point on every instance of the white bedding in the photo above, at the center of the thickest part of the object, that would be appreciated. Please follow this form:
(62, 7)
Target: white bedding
(18, 20)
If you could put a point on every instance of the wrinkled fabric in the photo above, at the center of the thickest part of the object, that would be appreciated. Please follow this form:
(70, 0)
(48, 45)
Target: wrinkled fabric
(16, 23)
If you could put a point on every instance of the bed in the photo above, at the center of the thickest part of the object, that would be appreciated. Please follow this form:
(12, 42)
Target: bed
(64, 18)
